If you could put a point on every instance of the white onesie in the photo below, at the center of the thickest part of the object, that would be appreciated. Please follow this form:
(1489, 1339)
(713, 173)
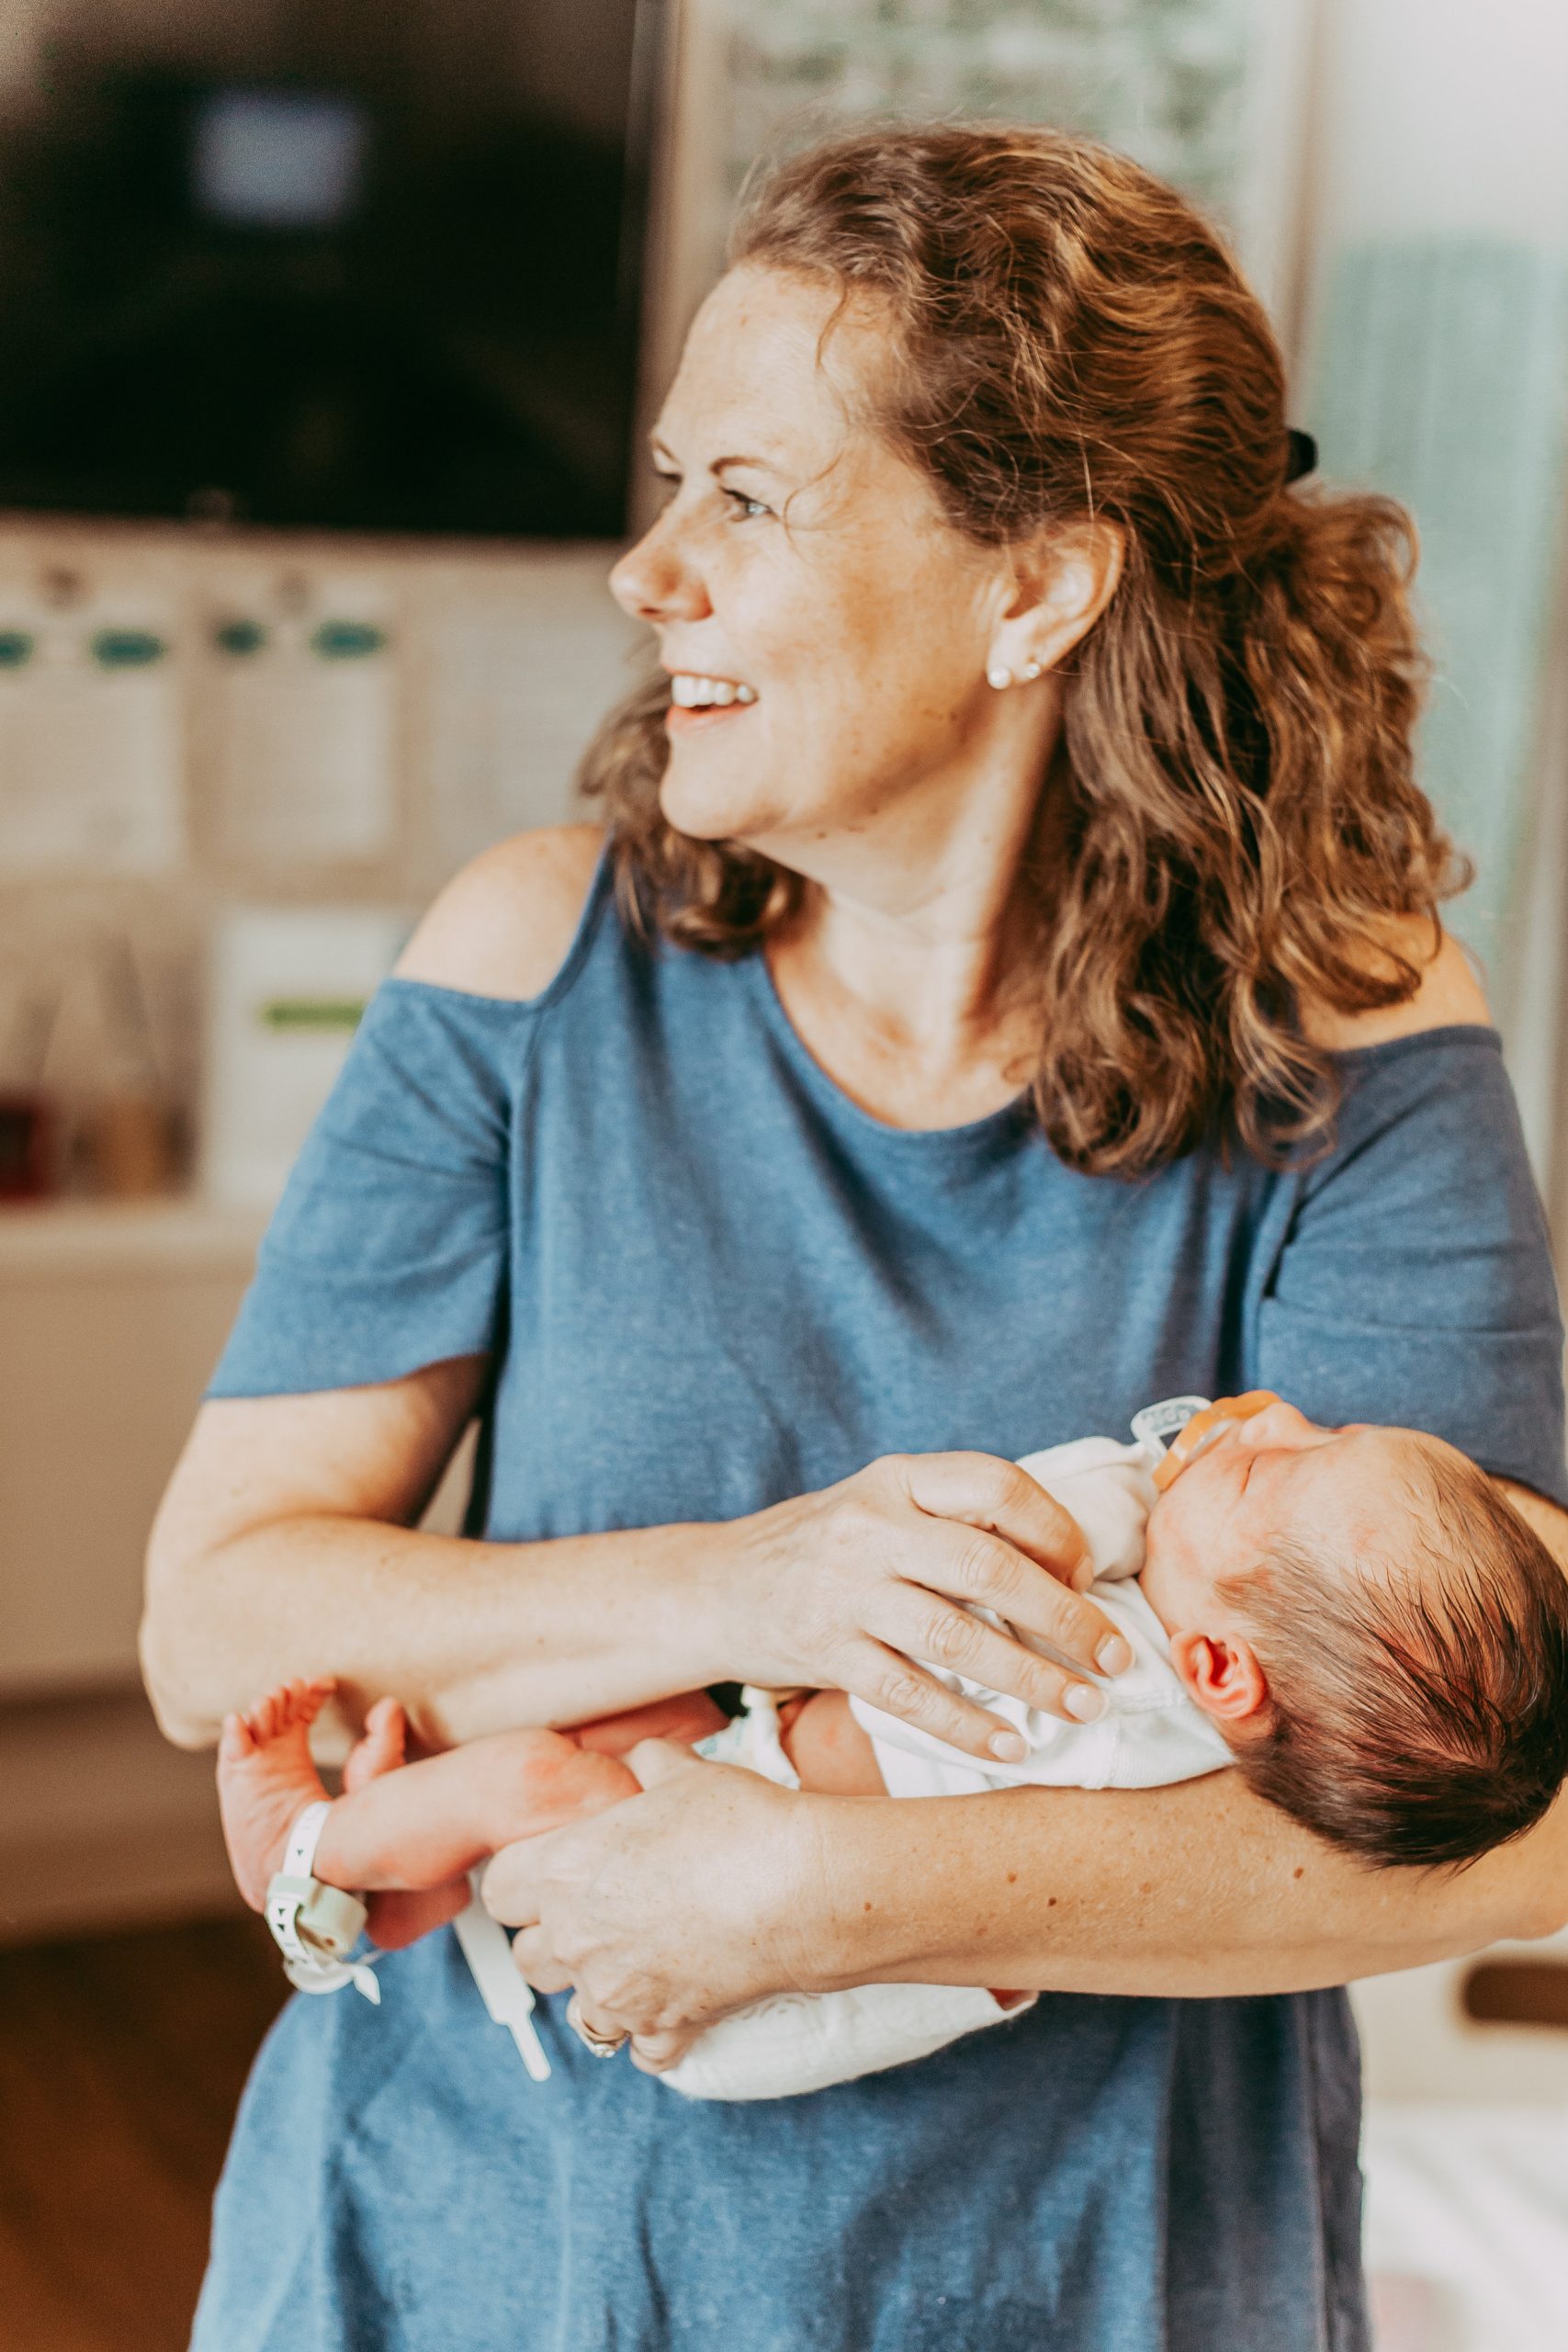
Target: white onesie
(1150, 1735)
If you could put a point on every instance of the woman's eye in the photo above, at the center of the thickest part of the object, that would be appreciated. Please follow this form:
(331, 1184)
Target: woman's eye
(749, 509)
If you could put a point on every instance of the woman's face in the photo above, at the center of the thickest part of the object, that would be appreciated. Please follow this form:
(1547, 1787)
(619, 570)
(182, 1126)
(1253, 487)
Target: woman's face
(805, 567)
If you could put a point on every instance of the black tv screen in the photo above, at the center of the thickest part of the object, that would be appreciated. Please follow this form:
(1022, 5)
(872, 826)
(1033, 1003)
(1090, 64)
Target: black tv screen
(364, 265)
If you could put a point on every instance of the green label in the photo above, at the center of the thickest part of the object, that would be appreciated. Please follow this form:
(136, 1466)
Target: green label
(341, 1013)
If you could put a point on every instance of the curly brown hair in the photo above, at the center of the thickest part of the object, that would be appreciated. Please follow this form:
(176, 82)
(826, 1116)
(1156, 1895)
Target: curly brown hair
(1235, 813)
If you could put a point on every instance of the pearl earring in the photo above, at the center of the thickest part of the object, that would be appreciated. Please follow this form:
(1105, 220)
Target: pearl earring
(1032, 669)
(999, 678)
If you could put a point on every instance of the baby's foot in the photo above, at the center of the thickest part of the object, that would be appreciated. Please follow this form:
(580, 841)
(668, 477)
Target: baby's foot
(265, 1778)
(380, 1748)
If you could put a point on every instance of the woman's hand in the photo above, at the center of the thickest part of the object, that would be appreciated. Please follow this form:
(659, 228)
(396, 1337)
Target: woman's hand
(625, 1907)
(849, 1588)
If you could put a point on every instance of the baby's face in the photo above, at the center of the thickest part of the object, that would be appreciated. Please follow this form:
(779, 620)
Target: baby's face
(1277, 1474)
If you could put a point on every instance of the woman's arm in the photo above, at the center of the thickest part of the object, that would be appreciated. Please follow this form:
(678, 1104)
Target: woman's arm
(283, 1548)
(714, 1889)
(1200, 1889)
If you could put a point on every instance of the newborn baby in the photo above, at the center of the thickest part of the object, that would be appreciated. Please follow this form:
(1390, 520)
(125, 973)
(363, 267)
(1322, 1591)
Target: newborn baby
(1354, 1618)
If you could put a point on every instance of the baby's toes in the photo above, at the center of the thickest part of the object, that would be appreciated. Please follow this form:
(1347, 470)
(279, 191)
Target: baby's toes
(265, 1718)
(234, 1743)
(379, 1749)
(313, 1697)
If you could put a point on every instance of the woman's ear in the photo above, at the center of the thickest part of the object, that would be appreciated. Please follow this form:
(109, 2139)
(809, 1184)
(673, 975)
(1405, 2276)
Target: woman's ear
(1221, 1675)
(1064, 580)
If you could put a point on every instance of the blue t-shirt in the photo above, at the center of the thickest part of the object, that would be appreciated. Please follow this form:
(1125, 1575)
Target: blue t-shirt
(708, 1281)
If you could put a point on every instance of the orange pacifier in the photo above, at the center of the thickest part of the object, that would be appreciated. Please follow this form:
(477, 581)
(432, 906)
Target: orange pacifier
(1205, 1429)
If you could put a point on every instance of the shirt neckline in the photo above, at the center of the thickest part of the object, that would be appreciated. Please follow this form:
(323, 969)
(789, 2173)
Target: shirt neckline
(978, 1138)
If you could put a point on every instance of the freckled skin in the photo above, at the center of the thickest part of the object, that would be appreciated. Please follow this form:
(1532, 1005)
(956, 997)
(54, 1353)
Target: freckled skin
(851, 604)
(876, 761)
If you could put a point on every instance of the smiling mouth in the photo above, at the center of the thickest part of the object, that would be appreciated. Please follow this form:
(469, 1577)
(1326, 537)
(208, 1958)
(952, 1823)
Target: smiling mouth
(698, 704)
(689, 692)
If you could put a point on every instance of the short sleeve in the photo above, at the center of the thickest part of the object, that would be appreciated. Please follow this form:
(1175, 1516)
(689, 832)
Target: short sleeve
(388, 1249)
(1415, 1284)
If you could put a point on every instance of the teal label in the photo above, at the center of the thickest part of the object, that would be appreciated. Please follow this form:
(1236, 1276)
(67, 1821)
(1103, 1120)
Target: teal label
(347, 641)
(126, 649)
(239, 638)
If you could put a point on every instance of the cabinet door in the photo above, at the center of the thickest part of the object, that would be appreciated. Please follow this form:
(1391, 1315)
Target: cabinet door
(100, 1375)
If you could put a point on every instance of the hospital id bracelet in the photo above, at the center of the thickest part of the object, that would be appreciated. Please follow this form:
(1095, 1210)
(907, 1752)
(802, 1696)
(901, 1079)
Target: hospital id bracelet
(316, 1926)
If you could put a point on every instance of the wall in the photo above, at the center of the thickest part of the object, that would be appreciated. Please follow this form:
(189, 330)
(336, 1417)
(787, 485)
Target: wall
(1439, 117)
(498, 664)
(1437, 223)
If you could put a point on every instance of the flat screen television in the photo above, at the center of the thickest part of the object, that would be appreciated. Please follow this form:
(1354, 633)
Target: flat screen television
(361, 265)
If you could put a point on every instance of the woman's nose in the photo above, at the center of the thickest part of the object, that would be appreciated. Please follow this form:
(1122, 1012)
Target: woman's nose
(656, 581)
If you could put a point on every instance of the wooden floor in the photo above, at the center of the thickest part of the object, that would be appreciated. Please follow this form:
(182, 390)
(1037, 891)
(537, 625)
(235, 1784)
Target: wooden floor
(121, 2061)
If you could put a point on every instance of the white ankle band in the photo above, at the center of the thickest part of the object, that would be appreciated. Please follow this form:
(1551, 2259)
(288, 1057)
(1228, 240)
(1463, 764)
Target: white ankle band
(316, 1926)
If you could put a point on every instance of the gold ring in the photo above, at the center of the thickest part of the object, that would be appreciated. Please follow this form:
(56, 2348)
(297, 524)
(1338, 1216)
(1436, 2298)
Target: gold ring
(603, 2045)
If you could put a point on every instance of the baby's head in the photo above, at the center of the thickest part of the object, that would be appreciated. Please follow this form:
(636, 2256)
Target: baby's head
(1379, 1639)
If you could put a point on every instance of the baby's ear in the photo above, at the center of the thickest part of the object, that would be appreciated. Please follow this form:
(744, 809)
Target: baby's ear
(1221, 1675)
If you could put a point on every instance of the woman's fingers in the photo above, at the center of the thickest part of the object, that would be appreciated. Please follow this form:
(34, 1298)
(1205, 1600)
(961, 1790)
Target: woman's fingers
(655, 2053)
(886, 1678)
(987, 1492)
(653, 1760)
(956, 1641)
(532, 1956)
(514, 1879)
(969, 1564)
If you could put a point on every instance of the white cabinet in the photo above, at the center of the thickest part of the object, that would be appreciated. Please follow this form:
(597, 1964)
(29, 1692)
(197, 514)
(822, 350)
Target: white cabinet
(110, 1321)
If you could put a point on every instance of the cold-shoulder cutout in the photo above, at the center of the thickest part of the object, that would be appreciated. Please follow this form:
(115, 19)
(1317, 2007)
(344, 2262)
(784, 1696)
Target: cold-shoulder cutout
(505, 925)
(1450, 996)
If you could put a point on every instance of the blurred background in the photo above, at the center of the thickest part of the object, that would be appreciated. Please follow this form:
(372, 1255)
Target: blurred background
(331, 331)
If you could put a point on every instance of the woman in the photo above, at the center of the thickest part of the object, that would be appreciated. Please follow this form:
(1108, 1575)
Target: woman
(1011, 991)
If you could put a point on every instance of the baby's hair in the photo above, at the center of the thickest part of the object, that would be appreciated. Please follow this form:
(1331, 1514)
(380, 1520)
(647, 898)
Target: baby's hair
(1418, 1706)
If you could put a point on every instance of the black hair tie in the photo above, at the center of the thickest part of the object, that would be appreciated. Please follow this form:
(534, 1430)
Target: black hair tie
(1301, 454)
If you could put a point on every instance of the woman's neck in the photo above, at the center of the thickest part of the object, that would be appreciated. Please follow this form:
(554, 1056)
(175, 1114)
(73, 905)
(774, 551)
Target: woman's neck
(896, 971)
(905, 1008)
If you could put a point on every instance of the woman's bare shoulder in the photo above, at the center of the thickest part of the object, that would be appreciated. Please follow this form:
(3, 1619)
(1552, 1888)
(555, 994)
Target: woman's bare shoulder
(502, 926)
(1450, 992)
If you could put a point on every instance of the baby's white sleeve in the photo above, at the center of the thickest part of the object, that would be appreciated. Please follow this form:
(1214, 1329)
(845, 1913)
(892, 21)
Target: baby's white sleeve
(1108, 1489)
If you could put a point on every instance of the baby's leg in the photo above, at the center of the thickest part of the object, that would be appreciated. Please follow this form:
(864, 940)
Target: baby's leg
(690, 1716)
(397, 1916)
(435, 1820)
(422, 1826)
